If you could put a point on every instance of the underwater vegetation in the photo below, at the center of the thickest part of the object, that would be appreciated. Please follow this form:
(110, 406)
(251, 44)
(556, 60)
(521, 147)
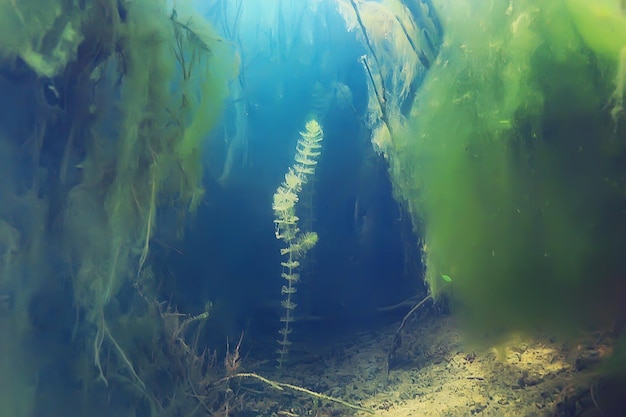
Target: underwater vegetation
(512, 165)
(113, 100)
(498, 125)
(287, 230)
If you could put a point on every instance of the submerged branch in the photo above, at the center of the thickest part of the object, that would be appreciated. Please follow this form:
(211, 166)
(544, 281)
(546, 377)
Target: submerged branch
(380, 95)
(280, 386)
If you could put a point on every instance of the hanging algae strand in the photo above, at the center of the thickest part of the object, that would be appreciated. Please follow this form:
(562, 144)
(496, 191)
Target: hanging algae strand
(308, 150)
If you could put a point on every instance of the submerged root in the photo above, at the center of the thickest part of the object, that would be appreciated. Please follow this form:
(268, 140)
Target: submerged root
(280, 386)
(617, 98)
(149, 221)
(102, 333)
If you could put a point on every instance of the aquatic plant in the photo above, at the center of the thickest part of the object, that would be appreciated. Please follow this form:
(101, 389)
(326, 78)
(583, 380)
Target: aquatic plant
(118, 97)
(602, 26)
(510, 167)
(402, 41)
(298, 244)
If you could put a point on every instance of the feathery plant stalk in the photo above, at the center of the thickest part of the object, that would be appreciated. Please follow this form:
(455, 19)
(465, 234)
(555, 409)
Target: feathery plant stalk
(308, 150)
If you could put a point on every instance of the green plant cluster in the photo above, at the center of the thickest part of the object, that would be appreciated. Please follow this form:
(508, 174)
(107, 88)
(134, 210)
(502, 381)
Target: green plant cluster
(119, 96)
(512, 165)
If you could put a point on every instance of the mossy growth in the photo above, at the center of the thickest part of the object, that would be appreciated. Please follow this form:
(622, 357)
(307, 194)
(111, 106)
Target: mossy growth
(118, 95)
(511, 168)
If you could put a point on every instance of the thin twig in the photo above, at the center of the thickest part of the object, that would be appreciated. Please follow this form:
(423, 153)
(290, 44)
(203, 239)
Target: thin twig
(593, 398)
(381, 96)
(125, 359)
(280, 386)
(395, 343)
(150, 220)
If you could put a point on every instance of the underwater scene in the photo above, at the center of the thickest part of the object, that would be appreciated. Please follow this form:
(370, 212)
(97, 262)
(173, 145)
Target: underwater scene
(281, 208)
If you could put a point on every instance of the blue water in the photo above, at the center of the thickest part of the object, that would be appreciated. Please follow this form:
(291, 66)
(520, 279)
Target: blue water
(229, 253)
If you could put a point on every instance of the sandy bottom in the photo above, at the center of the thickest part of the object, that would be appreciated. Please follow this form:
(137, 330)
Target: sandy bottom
(432, 374)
